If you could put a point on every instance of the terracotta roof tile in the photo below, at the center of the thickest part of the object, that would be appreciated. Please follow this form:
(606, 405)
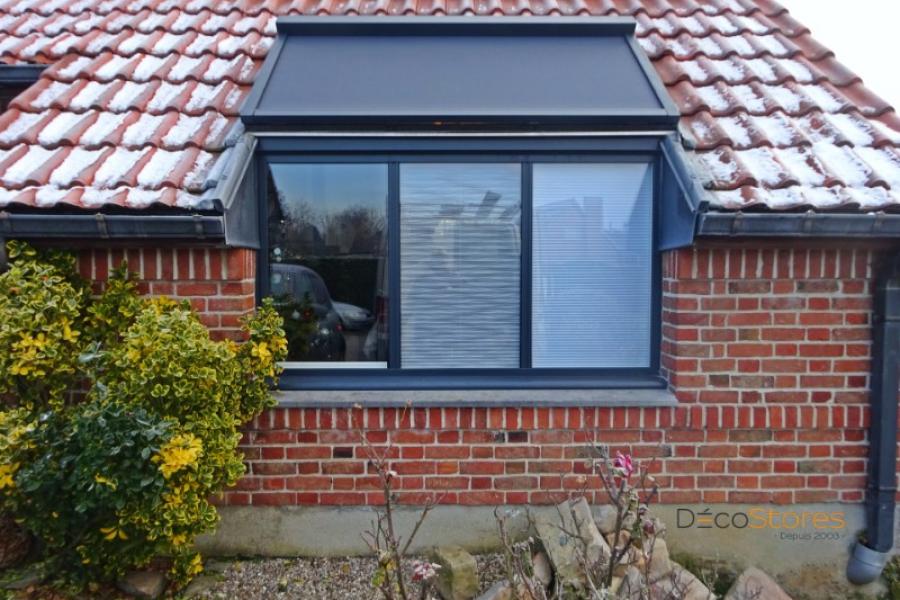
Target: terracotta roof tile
(142, 97)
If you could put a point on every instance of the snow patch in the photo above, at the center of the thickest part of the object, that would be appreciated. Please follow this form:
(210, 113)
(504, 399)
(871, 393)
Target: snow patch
(165, 95)
(112, 67)
(713, 98)
(148, 67)
(116, 166)
(736, 130)
(822, 98)
(54, 131)
(762, 69)
(35, 158)
(885, 164)
(23, 123)
(772, 44)
(203, 96)
(184, 67)
(182, 132)
(693, 70)
(74, 164)
(141, 131)
(803, 165)
(127, 96)
(761, 162)
(730, 70)
(776, 128)
(846, 165)
(160, 166)
(747, 96)
(50, 94)
(786, 98)
(102, 128)
(797, 70)
(167, 43)
(856, 131)
(75, 67)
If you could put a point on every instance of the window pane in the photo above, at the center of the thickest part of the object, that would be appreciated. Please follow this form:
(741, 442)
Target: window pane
(592, 265)
(327, 251)
(460, 248)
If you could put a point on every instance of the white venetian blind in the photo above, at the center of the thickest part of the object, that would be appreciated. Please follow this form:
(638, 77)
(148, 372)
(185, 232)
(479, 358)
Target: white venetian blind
(460, 248)
(592, 265)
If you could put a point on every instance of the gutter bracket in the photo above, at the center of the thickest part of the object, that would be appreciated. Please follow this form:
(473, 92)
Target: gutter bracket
(808, 221)
(737, 223)
(198, 226)
(101, 226)
(878, 224)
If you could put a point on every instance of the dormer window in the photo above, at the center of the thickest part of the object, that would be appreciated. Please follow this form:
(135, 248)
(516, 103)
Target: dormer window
(15, 79)
(444, 206)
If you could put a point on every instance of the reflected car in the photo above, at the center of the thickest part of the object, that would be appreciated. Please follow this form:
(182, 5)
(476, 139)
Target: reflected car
(353, 318)
(290, 285)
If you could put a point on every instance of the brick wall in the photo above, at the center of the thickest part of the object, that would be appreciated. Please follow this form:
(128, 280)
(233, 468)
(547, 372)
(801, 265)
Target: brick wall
(220, 283)
(767, 351)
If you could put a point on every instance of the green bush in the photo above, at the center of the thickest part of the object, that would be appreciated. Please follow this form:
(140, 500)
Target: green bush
(109, 483)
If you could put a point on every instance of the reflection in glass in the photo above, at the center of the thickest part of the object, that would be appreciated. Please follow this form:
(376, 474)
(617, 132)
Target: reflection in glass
(592, 265)
(327, 251)
(460, 247)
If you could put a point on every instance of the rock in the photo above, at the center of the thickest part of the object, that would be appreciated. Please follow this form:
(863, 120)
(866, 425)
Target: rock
(502, 590)
(457, 578)
(543, 571)
(605, 517)
(632, 586)
(216, 566)
(146, 585)
(566, 551)
(200, 585)
(25, 579)
(753, 584)
(682, 584)
(660, 565)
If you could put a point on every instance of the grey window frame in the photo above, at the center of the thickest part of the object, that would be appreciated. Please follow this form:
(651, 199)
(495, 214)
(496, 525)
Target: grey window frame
(392, 151)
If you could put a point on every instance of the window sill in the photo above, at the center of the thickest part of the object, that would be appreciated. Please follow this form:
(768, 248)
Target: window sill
(647, 398)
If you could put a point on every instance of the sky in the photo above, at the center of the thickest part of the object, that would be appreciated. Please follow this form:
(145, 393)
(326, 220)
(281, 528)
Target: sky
(862, 34)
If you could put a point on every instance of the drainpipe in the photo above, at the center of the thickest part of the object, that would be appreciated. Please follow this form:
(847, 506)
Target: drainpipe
(868, 560)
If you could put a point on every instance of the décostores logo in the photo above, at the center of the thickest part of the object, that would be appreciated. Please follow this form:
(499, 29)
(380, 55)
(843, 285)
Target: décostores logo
(759, 518)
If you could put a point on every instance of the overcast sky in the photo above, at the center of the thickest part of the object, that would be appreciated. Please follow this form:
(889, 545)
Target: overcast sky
(863, 35)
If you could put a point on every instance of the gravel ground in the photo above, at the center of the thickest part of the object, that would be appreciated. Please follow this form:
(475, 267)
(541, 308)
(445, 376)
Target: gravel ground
(302, 578)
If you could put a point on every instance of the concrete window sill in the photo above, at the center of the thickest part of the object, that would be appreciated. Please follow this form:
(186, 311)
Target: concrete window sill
(476, 398)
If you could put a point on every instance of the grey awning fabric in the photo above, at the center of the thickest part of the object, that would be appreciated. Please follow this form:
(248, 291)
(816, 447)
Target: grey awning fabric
(474, 72)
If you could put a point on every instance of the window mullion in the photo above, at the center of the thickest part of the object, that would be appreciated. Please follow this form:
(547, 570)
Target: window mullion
(525, 277)
(394, 265)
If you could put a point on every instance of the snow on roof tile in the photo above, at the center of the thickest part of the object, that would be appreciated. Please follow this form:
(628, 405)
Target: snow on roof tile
(143, 95)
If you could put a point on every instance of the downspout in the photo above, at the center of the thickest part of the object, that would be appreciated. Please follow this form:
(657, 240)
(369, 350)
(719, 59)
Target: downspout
(869, 558)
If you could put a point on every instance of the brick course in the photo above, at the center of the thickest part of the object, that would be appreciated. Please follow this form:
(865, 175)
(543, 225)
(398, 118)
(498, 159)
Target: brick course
(767, 351)
(219, 283)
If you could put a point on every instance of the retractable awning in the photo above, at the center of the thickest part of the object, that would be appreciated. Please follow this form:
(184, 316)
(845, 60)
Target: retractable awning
(470, 72)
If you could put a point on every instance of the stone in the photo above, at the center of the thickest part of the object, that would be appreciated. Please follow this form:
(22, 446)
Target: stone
(632, 585)
(457, 579)
(543, 571)
(200, 585)
(605, 517)
(660, 565)
(503, 590)
(565, 550)
(754, 584)
(146, 585)
(25, 579)
(682, 584)
(216, 566)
